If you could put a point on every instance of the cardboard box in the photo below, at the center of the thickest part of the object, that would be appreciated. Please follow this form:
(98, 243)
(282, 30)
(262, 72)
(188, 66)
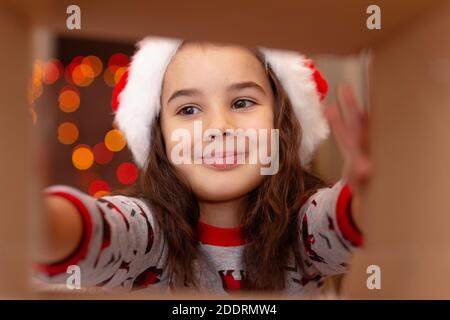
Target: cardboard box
(407, 204)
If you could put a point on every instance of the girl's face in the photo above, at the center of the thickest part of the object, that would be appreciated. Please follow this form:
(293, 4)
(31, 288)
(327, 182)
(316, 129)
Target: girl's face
(219, 87)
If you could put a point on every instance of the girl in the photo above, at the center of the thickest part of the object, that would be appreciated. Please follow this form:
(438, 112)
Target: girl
(216, 224)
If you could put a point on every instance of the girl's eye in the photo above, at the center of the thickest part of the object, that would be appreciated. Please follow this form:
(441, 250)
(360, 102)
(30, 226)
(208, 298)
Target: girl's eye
(242, 103)
(188, 110)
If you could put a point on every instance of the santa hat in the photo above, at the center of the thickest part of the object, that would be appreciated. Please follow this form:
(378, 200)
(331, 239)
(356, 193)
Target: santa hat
(136, 98)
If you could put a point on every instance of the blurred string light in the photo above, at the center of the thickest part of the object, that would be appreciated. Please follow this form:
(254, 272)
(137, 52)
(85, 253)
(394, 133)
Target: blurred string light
(43, 73)
(102, 155)
(53, 70)
(94, 63)
(69, 99)
(101, 193)
(117, 65)
(115, 140)
(67, 133)
(81, 72)
(35, 88)
(82, 157)
(98, 188)
(36, 81)
(83, 75)
(84, 178)
(127, 173)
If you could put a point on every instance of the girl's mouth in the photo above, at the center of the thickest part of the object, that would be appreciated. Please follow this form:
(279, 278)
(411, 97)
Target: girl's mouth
(224, 160)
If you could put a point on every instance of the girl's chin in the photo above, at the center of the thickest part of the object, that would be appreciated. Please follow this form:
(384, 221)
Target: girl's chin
(222, 185)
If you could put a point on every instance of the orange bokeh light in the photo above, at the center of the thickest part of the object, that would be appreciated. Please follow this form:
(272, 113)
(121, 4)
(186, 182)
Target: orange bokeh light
(35, 87)
(67, 133)
(82, 157)
(101, 193)
(109, 76)
(95, 63)
(83, 75)
(82, 70)
(69, 99)
(119, 73)
(38, 71)
(114, 140)
(35, 91)
(117, 65)
(69, 70)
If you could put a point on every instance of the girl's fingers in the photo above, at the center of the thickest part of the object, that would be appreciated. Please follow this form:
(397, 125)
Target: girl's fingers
(364, 137)
(338, 127)
(349, 123)
(345, 139)
(357, 118)
(350, 108)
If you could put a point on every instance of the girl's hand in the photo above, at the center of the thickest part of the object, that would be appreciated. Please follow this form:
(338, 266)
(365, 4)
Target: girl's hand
(64, 228)
(349, 123)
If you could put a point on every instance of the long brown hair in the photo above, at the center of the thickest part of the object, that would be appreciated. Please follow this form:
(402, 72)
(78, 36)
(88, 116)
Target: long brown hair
(271, 219)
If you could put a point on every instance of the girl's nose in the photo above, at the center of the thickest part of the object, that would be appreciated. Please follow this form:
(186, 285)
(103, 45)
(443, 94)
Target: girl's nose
(219, 121)
(212, 136)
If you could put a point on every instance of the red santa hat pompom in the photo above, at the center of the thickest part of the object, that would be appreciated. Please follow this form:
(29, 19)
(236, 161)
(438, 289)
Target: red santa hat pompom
(136, 97)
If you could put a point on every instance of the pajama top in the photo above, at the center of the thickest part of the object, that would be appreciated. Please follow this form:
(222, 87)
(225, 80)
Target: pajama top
(124, 249)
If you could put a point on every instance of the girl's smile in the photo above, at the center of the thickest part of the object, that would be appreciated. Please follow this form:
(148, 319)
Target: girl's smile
(225, 160)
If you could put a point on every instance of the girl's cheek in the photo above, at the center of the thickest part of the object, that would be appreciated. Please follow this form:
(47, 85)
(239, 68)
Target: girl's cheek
(180, 143)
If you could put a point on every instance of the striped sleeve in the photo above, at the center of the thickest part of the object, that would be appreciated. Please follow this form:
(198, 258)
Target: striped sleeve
(327, 229)
(118, 240)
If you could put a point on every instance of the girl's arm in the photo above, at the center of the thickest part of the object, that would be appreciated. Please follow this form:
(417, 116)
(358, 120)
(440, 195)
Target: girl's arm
(350, 124)
(112, 239)
(328, 230)
(331, 217)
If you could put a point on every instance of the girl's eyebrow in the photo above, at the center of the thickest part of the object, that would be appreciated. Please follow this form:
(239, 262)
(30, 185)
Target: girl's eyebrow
(234, 86)
(246, 84)
(184, 92)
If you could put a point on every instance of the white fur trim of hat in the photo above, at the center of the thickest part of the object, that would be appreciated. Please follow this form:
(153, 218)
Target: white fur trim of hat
(138, 94)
